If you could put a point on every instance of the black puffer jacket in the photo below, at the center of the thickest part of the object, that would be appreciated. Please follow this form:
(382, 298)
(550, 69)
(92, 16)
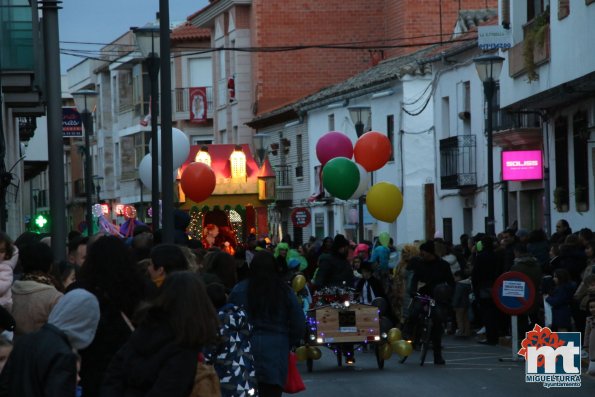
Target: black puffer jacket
(151, 364)
(41, 364)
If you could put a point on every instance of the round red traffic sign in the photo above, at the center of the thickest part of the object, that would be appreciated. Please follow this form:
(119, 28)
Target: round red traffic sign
(513, 293)
(300, 217)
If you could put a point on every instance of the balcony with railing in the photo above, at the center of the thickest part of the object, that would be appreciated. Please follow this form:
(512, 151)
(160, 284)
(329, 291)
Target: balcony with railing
(517, 129)
(79, 188)
(284, 189)
(457, 162)
(181, 103)
(533, 51)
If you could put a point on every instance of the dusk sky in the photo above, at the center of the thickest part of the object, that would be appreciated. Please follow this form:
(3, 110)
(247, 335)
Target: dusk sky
(105, 20)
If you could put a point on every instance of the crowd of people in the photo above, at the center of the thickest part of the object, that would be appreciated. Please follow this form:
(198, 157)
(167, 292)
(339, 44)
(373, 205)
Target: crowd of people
(136, 317)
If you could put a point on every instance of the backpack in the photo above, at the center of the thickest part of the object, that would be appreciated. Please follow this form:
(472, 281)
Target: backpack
(233, 359)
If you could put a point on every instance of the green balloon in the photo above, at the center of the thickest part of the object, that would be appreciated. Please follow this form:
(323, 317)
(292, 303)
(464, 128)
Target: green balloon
(340, 176)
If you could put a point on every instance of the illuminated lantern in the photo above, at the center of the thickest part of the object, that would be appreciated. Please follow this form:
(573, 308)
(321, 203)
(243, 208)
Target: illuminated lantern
(238, 163)
(105, 209)
(203, 156)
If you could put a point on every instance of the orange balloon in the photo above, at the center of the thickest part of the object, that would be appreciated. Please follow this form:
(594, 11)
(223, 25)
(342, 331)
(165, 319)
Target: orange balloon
(372, 150)
(198, 182)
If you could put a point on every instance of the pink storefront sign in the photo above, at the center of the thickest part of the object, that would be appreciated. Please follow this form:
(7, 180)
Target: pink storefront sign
(522, 165)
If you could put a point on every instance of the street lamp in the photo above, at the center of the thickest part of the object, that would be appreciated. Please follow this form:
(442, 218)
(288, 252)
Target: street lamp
(85, 101)
(259, 142)
(147, 40)
(488, 68)
(360, 115)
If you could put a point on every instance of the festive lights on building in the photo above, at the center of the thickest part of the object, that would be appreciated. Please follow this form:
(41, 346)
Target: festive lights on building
(203, 156)
(238, 163)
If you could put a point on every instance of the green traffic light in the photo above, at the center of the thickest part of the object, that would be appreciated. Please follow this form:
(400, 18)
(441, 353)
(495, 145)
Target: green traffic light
(40, 221)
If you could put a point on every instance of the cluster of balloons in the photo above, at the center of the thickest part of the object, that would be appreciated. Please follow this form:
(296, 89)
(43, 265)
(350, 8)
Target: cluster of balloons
(181, 149)
(346, 179)
(304, 353)
(395, 344)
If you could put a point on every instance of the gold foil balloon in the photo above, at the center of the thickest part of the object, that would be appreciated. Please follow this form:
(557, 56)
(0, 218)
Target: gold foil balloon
(298, 283)
(402, 348)
(394, 335)
(301, 353)
(386, 351)
(314, 353)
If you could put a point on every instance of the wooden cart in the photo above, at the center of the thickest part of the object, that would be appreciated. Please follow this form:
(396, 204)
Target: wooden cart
(340, 327)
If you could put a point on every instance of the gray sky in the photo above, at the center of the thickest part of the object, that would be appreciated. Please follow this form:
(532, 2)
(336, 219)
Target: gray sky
(101, 21)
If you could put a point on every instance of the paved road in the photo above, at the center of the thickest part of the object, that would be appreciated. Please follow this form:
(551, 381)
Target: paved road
(471, 370)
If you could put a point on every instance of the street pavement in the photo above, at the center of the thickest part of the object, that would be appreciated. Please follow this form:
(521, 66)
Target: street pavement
(471, 370)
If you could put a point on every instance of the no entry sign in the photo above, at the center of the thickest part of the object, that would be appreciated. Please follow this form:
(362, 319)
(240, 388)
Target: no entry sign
(513, 293)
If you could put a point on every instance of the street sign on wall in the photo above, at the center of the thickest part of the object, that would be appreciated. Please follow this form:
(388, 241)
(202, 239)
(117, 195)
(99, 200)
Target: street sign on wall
(300, 217)
(493, 37)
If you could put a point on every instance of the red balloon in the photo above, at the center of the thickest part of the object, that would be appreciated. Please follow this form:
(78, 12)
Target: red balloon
(198, 182)
(372, 150)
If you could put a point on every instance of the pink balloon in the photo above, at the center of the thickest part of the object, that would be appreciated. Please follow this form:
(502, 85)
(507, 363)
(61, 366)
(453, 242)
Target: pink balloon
(333, 144)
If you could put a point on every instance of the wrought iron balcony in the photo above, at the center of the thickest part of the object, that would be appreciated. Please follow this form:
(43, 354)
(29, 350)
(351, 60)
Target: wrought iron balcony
(457, 162)
(284, 189)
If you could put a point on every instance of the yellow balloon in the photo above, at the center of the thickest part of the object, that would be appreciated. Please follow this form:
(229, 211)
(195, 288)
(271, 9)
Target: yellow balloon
(394, 335)
(384, 201)
(386, 351)
(301, 353)
(314, 353)
(298, 283)
(402, 348)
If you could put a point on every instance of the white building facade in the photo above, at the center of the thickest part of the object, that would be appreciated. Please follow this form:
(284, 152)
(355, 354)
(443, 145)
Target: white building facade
(558, 86)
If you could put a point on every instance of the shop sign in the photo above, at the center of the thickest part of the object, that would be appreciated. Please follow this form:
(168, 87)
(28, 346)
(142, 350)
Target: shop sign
(522, 165)
(300, 217)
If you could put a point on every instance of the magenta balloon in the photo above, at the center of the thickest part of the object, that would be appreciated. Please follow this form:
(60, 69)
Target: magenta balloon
(333, 144)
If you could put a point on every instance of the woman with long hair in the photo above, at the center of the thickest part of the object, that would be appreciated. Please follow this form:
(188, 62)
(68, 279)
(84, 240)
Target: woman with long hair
(110, 273)
(277, 318)
(160, 359)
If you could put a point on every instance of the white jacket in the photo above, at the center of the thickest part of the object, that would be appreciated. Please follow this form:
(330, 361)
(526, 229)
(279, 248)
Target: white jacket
(6, 277)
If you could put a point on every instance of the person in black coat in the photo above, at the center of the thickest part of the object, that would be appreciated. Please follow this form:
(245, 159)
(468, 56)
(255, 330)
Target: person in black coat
(436, 276)
(112, 276)
(487, 267)
(369, 287)
(43, 363)
(161, 357)
(335, 269)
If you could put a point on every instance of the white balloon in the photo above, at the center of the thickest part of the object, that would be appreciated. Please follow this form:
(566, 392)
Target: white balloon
(180, 145)
(144, 172)
(363, 182)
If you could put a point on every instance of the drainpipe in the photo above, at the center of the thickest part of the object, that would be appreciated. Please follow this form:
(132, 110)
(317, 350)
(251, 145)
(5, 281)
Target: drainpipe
(505, 14)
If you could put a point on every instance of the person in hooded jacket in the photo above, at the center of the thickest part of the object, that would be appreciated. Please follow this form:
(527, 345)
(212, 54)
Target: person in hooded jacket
(44, 363)
(161, 357)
